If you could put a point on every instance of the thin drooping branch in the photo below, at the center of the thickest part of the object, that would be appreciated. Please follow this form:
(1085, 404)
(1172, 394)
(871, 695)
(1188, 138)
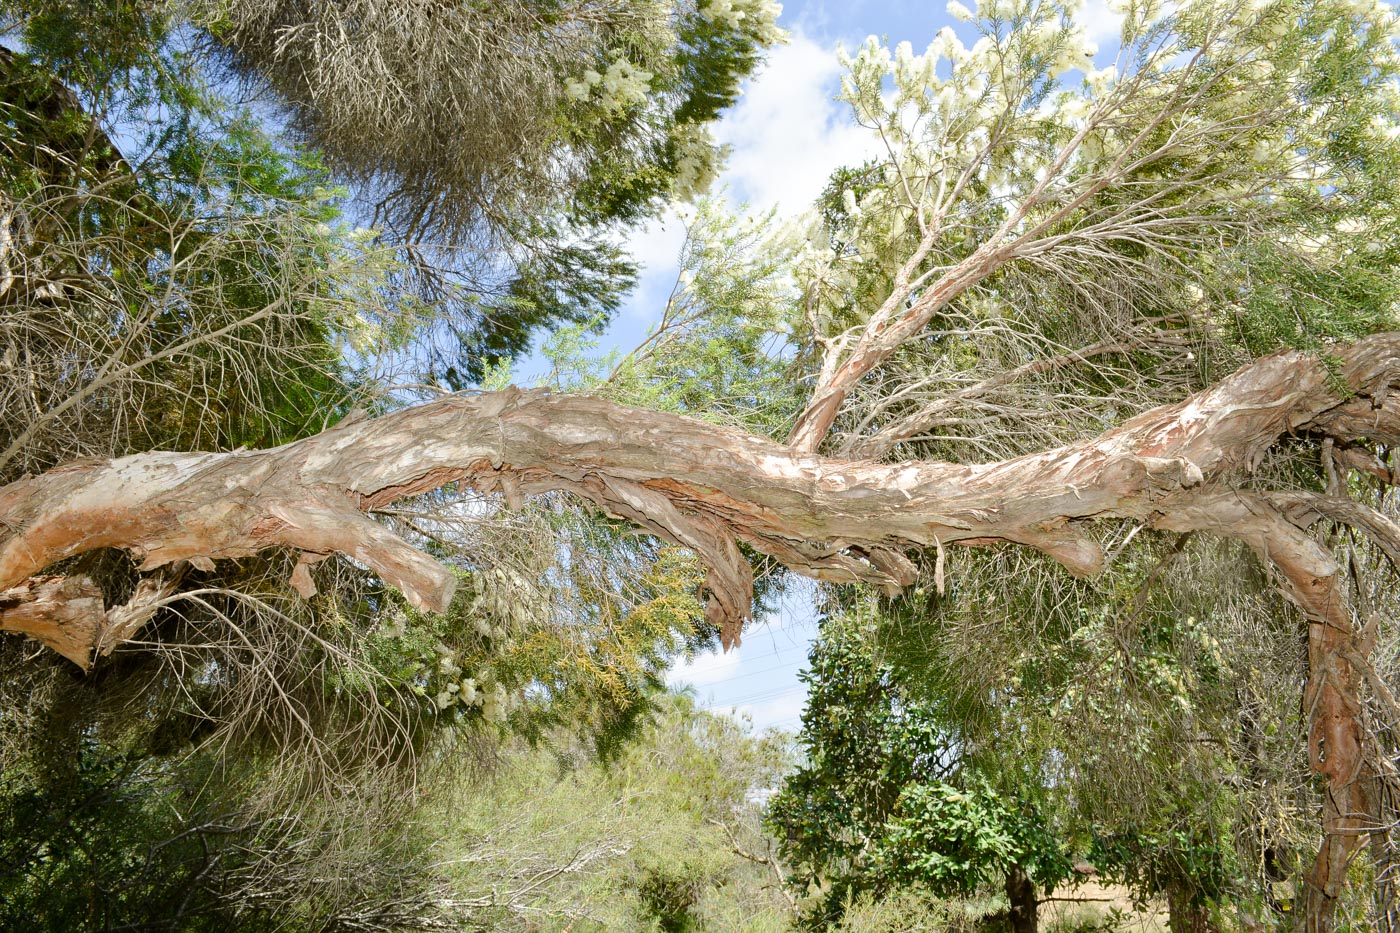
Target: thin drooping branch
(699, 485)
(1059, 213)
(930, 414)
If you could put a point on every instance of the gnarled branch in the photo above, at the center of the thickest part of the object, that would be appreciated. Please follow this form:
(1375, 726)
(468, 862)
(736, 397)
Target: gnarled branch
(699, 485)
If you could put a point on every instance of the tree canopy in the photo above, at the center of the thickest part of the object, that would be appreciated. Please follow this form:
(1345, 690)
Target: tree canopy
(1099, 313)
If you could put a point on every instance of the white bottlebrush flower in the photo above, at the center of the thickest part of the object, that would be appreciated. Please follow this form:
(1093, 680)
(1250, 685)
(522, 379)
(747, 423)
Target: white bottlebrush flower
(1075, 108)
(696, 165)
(1260, 69)
(1075, 56)
(1385, 127)
(960, 12)
(722, 11)
(947, 45)
(1101, 79)
(496, 705)
(848, 201)
(624, 85)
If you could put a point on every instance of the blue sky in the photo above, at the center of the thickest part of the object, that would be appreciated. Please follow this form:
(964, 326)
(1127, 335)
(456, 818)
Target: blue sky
(788, 133)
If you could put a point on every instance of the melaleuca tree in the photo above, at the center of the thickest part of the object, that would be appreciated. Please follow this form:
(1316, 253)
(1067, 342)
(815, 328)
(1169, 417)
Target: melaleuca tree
(504, 146)
(1003, 297)
(177, 275)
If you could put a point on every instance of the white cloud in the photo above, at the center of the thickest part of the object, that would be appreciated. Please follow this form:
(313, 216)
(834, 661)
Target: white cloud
(783, 711)
(788, 132)
(1102, 24)
(657, 248)
(706, 669)
(657, 244)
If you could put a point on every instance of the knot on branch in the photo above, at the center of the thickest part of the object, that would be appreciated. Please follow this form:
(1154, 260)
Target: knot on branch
(64, 612)
(1154, 476)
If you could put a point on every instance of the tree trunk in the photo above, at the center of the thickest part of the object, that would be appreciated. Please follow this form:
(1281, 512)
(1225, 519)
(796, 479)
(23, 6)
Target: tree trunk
(1336, 752)
(1020, 893)
(1186, 916)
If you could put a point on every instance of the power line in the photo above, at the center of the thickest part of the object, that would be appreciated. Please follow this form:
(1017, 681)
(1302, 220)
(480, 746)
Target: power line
(756, 697)
(727, 680)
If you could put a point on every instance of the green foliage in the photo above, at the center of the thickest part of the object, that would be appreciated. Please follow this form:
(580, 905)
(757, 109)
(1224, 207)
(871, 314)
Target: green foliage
(643, 843)
(504, 146)
(887, 799)
(1192, 855)
(532, 842)
(915, 910)
(1093, 213)
(1135, 704)
(177, 275)
(531, 648)
(210, 296)
(205, 286)
(957, 840)
(721, 351)
(102, 839)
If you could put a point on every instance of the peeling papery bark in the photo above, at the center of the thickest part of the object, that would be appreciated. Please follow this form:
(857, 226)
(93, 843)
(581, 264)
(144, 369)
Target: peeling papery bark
(707, 488)
(1312, 580)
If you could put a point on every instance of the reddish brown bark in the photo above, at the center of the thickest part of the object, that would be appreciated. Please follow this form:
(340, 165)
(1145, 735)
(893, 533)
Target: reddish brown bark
(1022, 900)
(700, 485)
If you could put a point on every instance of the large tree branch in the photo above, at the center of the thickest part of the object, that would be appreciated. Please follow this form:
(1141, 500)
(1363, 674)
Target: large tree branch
(703, 486)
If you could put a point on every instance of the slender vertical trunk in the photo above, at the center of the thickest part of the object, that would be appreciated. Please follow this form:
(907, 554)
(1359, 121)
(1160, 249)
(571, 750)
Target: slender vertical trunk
(1187, 916)
(1336, 752)
(1020, 891)
(1385, 858)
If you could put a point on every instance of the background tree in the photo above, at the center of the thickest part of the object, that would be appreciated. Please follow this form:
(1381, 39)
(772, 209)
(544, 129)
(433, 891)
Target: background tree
(890, 797)
(504, 147)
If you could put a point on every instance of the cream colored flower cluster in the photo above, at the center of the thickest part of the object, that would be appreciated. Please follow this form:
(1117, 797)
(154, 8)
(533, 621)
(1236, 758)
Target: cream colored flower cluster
(758, 18)
(622, 86)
